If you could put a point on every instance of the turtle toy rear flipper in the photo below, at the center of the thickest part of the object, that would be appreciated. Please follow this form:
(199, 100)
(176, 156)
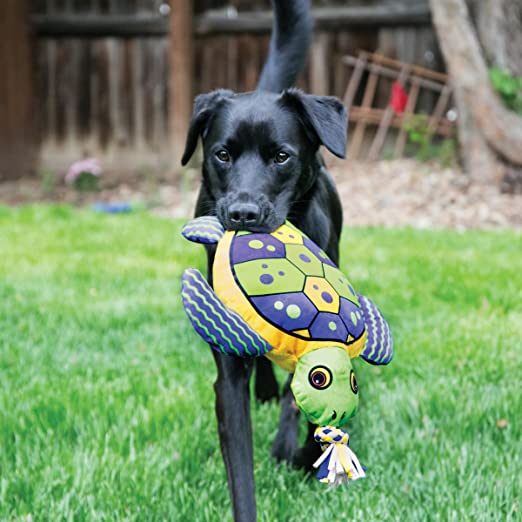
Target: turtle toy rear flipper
(225, 330)
(378, 347)
(206, 230)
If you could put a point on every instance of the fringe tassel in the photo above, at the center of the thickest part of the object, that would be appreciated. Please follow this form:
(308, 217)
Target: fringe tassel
(338, 464)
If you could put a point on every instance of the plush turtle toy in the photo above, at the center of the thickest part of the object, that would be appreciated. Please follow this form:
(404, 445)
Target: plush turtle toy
(279, 295)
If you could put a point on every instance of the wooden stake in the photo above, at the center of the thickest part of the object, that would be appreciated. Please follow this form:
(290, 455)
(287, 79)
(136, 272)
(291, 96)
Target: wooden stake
(413, 94)
(355, 144)
(382, 131)
(180, 75)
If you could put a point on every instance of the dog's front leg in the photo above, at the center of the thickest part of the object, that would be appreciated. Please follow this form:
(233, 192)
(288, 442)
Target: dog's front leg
(234, 424)
(235, 432)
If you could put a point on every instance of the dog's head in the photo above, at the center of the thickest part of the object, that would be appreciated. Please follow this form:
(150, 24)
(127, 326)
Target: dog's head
(260, 151)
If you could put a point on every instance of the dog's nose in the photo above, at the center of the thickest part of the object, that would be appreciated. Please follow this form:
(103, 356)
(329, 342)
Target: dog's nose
(243, 214)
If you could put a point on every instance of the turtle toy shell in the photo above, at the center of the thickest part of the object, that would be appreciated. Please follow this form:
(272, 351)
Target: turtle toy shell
(289, 291)
(278, 294)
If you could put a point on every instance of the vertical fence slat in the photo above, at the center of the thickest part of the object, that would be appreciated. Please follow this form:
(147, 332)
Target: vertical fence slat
(181, 55)
(319, 64)
(232, 63)
(137, 91)
(83, 92)
(115, 110)
(127, 93)
(17, 119)
(51, 90)
(60, 91)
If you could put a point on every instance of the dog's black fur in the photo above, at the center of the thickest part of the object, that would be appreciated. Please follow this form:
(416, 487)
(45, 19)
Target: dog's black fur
(261, 166)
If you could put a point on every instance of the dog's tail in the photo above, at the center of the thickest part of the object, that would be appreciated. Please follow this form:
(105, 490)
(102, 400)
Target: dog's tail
(291, 35)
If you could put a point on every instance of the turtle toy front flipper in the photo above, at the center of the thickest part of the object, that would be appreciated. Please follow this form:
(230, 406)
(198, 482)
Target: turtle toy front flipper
(206, 230)
(222, 328)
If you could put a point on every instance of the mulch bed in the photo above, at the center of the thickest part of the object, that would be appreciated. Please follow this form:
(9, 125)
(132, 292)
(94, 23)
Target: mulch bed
(386, 193)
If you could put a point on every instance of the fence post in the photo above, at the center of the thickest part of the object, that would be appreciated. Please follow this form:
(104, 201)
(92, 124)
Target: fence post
(181, 75)
(17, 132)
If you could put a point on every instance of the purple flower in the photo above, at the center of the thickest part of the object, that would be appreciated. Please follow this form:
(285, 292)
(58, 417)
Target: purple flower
(87, 166)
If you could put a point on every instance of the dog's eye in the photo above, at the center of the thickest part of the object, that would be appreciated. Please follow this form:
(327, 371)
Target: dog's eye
(223, 155)
(281, 157)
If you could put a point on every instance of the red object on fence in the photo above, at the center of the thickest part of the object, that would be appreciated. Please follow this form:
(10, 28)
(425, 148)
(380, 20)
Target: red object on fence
(398, 98)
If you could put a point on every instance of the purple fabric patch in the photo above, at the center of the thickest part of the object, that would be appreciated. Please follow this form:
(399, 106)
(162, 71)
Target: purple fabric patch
(317, 252)
(328, 326)
(327, 297)
(266, 279)
(348, 311)
(293, 311)
(256, 246)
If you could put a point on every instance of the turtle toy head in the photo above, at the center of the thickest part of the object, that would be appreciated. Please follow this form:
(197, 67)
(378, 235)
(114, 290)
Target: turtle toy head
(325, 387)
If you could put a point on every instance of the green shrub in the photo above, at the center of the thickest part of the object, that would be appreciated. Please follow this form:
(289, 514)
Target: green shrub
(423, 145)
(509, 88)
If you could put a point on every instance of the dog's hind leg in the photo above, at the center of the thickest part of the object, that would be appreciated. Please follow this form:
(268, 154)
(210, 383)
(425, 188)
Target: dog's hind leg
(285, 443)
(266, 386)
(235, 432)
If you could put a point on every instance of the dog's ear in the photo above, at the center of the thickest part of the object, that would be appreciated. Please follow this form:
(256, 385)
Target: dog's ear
(325, 118)
(204, 107)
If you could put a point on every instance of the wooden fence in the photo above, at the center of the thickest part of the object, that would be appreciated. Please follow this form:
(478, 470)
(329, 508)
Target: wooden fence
(104, 86)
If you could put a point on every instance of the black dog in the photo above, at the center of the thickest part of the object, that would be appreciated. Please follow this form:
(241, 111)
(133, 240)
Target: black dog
(261, 166)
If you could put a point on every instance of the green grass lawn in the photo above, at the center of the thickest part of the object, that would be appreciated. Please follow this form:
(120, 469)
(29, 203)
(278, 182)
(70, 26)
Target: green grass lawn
(106, 400)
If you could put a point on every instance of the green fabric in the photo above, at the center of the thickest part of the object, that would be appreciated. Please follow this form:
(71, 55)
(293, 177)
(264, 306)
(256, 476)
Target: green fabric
(286, 277)
(337, 395)
(340, 283)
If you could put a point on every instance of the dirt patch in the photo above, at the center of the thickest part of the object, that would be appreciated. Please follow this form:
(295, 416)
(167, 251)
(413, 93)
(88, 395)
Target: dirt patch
(386, 193)
(407, 192)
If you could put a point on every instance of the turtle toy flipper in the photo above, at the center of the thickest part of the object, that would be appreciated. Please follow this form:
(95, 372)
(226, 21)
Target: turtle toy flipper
(378, 347)
(225, 330)
(206, 230)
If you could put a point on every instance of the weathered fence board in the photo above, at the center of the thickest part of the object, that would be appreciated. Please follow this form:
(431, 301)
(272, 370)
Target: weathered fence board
(17, 118)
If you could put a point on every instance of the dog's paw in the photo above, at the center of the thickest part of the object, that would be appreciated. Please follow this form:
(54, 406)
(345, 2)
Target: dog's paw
(284, 447)
(266, 392)
(304, 457)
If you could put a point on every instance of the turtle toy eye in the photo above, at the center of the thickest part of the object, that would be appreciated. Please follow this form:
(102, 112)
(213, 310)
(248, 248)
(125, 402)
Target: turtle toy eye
(353, 382)
(320, 377)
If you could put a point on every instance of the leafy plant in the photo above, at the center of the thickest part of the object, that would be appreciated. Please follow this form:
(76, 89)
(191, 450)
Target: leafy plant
(422, 143)
(509, 88)
(84, 175)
